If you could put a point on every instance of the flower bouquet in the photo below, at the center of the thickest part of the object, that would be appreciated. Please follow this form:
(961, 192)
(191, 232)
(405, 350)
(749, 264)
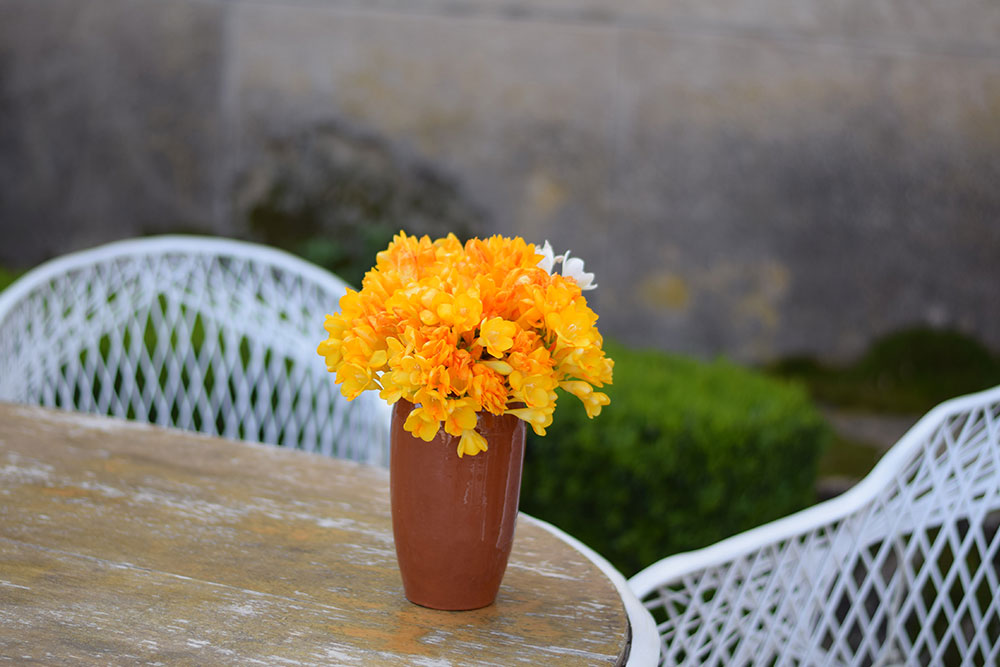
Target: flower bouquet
(469, 342)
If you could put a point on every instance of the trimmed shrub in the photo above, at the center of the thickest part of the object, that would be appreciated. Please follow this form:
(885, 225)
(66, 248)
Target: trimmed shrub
(686, 454)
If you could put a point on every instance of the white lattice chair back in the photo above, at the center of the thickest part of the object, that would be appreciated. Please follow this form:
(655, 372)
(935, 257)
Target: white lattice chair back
(901, 569)
(210, 335)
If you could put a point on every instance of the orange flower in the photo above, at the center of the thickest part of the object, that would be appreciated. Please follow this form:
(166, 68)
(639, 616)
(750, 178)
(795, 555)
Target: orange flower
(488, 389)
(461, 328)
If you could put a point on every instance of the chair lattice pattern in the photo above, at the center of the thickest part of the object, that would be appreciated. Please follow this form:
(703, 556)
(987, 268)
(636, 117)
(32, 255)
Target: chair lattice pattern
(206, 337)
(911, 577)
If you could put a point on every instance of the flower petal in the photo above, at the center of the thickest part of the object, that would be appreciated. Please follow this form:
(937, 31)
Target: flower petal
(471, 443)
(548, 258)
(573, 268)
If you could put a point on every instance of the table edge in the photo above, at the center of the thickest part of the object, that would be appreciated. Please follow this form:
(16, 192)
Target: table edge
(643, 644)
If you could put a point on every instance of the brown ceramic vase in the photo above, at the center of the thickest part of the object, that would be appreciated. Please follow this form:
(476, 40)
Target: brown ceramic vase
(453, 518)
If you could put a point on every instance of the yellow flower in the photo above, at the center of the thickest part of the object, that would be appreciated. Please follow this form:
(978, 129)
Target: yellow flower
(463, 313)
(432, 403)
(330, 348)
(391, 391)
(593, 402)
(421, 424)
(539, 419)
(578, 388)
(534, 390)
(350, 302)
(471, 443)
(588, 364)
(573, 326)
(497, 336)
(501, 367)
(354, 380)
(461, 417)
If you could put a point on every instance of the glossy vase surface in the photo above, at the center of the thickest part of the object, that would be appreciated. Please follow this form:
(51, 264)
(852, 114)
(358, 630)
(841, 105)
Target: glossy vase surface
(453, 518)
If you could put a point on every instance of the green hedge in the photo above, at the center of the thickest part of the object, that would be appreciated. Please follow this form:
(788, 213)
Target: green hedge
(686, 454)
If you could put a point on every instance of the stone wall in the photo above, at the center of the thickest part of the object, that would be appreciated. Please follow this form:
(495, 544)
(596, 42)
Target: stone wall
(753, 178)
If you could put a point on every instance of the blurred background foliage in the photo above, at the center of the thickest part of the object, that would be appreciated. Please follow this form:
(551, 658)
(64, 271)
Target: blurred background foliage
(336, 197)
(7, 277)
(908, 371)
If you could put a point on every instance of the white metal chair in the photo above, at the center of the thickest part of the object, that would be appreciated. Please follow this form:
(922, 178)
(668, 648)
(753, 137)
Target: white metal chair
(904, 568)
(204, 334)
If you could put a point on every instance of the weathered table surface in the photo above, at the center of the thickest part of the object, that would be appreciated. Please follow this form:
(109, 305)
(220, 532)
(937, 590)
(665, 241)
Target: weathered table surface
(125, 543)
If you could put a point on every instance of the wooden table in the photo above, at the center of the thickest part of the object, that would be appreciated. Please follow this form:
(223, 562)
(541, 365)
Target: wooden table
(125, 543)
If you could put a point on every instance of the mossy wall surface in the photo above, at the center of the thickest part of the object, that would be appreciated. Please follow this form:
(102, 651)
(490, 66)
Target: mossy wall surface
(751, 179)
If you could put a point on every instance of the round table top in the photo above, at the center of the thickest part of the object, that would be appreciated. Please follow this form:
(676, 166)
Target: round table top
(122, 541)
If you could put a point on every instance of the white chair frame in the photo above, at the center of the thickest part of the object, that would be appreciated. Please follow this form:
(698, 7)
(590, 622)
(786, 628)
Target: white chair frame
(904, 568)
(205, 334)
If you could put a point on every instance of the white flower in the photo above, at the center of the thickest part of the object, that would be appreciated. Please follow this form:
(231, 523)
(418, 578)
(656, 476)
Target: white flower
(548, 261)
(572, 267)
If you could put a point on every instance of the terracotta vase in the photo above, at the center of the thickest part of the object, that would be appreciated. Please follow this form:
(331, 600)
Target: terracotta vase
(453, 518)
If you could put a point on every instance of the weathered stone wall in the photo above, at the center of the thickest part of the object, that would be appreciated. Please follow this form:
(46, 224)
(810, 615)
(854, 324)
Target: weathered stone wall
(747, 177)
